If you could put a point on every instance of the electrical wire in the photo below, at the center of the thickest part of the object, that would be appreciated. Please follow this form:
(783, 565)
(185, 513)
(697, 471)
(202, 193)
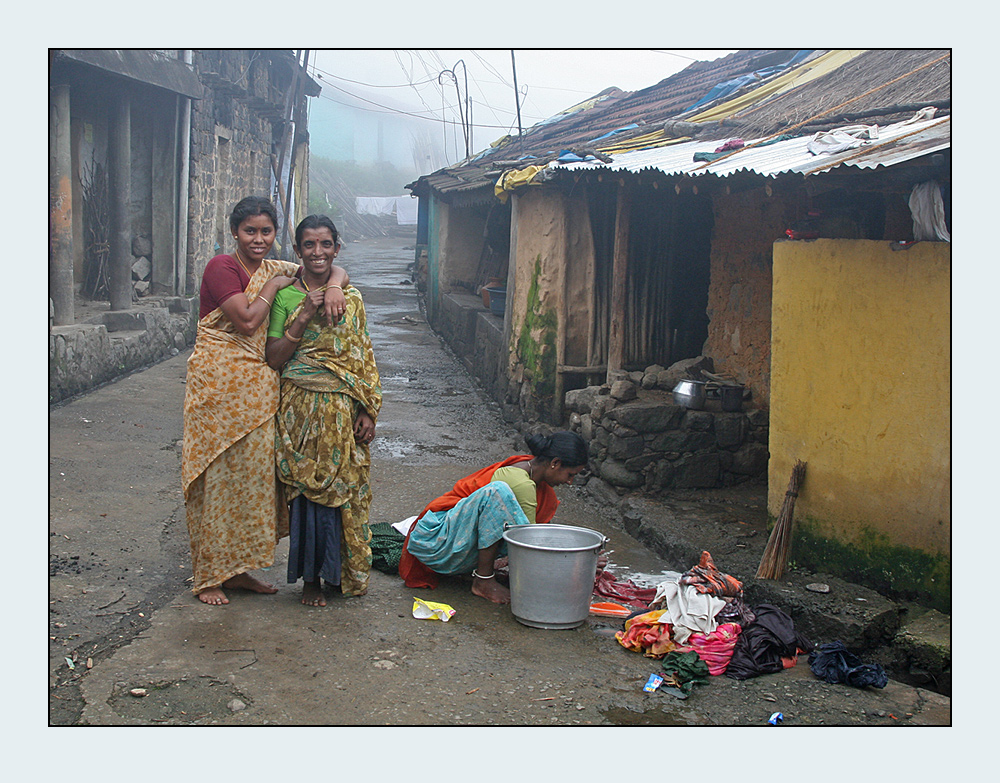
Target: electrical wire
(390, 110)
(682, 56)
(366, 84)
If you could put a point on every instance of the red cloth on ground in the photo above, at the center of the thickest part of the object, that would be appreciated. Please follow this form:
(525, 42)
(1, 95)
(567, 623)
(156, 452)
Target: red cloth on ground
(415, 573)
(626, 592)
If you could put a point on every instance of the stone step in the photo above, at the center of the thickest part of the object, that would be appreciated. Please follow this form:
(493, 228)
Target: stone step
(923, 646)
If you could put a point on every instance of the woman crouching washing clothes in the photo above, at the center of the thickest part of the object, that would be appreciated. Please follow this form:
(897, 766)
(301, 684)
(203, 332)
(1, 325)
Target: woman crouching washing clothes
(461, 532)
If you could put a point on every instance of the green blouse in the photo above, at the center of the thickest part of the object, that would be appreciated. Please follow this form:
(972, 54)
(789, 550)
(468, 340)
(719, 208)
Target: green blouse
(522, 486)
(285, 301)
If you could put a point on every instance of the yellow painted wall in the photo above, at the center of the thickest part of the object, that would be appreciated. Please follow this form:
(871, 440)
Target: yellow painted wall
(861, 390)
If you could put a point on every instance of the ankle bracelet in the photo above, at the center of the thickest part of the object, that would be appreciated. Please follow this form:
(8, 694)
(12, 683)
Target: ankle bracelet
(480, 576)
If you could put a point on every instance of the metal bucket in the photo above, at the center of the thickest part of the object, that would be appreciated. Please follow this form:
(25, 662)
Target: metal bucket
(552, 571)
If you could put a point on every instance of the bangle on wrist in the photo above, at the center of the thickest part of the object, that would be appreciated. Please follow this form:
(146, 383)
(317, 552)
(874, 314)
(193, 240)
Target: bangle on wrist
(265, 299)
(293, 339)
(333, 285)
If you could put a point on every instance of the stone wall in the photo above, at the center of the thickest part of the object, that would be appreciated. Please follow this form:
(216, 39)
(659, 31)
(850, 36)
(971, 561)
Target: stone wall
(232, 130)
(641, 439)
(84, 356)
(475, 335)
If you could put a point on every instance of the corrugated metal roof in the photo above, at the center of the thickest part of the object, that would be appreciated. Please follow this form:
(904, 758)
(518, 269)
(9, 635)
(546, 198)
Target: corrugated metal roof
(895, 144)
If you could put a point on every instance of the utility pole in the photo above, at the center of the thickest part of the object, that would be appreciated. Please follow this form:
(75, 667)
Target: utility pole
(517, 96)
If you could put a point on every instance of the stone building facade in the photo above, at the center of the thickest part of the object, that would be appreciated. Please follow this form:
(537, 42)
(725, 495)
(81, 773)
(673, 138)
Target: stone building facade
(149, 152)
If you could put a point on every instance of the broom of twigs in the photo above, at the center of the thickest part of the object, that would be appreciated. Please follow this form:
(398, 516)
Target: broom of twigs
(775, 558)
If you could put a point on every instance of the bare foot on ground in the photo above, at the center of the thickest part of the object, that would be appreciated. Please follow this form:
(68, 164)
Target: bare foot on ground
(312, 594)
(246, 582)
(490, 590)
(213, 596)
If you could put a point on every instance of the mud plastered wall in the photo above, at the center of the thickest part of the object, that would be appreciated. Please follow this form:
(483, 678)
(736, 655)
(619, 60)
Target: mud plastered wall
(539, 258)
(739, 297)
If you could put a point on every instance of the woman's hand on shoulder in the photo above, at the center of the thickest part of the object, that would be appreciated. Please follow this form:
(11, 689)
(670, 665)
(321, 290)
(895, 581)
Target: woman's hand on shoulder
(283, 281)
(334, 304)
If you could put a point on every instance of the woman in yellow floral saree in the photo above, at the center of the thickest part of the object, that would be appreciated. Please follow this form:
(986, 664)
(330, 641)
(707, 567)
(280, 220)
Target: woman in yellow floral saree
(234, 516)
(330, 399)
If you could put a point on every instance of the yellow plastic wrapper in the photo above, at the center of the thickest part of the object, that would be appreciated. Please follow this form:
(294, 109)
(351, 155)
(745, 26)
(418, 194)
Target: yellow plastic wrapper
(427, 610)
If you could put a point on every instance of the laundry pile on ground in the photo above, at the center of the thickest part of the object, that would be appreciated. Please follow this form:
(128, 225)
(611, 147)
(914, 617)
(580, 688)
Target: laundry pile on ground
(701, 615)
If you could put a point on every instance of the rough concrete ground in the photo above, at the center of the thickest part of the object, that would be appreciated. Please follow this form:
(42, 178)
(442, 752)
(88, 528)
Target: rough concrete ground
(118, 596)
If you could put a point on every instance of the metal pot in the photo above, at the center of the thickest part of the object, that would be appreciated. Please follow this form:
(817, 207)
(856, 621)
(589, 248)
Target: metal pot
(690, 394)
(731, 397)
(552, 572)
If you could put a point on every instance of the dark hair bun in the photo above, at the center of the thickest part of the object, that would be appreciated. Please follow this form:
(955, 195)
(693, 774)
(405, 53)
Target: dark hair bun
(538, 444)
(568, 447)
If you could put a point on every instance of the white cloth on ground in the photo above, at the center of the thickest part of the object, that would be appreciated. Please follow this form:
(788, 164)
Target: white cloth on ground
(404, 525)
(687, 610)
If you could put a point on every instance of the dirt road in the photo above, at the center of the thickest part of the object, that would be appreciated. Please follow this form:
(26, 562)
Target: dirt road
(121, 611)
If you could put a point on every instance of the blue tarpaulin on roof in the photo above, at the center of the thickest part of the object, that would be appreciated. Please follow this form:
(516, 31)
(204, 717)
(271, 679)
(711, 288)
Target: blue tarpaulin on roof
(616, 130)
(725, 88)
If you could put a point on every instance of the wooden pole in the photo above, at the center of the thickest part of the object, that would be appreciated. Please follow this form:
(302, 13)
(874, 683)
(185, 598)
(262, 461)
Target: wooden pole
(298, 115)
(286, 140)
(183, 212)
(561, 326)
(619, 283)
(119, 185)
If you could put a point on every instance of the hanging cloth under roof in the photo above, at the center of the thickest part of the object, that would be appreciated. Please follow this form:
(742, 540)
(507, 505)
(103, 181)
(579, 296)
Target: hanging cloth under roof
(795, 77)
(516, 178)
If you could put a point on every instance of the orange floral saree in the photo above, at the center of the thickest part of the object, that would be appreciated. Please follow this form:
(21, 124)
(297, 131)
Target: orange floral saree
(234, 514)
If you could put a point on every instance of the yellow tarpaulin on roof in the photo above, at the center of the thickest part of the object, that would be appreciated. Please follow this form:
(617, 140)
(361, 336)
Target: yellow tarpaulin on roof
(647, 141)
(796, 77)
(515, 178)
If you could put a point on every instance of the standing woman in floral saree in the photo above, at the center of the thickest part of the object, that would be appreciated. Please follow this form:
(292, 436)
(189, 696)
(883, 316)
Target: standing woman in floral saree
(330, 399)
(234, 517)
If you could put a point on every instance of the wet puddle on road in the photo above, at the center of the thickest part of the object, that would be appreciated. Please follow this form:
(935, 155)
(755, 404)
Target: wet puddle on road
(640, 578)
(621, 716)
(384, 448)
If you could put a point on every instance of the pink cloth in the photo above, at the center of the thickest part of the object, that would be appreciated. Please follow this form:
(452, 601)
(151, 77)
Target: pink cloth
(733, 144)
(716, 648)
